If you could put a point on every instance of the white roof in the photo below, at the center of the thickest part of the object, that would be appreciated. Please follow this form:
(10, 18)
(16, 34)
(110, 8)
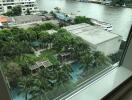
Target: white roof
(92, 34)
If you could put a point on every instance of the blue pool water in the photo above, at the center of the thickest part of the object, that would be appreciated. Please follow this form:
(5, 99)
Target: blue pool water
(15, 95)
(76, 74)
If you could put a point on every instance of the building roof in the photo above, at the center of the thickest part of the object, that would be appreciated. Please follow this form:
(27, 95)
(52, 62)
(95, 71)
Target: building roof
(92, 34)
(39, 64)
(3, 19)
(27, 19)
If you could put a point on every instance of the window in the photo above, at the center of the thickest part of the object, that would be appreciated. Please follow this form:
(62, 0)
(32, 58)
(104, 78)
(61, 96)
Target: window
(46, 61)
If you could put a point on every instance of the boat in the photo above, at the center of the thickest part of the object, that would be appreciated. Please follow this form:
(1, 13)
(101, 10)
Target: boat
(104, 25)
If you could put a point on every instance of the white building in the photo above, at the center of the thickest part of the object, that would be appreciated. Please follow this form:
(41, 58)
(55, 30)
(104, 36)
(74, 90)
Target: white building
(97, 38)
(6, 5)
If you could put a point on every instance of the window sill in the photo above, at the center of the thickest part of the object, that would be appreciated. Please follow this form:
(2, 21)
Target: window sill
(102, 86)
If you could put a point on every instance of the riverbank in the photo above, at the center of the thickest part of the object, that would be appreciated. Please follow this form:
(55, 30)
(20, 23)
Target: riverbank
(98, 2)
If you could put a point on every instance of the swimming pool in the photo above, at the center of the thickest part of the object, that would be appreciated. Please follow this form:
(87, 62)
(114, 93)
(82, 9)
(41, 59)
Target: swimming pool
(15, 95)
(76, 74)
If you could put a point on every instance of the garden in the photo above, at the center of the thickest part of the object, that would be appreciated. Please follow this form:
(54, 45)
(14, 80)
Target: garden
(70, 61)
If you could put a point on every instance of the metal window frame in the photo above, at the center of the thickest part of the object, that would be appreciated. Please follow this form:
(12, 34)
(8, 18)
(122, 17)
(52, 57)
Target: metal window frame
(129, 38)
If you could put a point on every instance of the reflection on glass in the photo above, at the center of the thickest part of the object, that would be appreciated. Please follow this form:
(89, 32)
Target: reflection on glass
(51, 54)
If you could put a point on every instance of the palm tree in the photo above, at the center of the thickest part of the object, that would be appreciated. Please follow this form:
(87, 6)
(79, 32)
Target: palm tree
(30, 35)
(63, 74)
(44, 37)
(26, 86)
(50, 40)
(68, 69)
(79, 48)
(13, 72)
(86, 61)
(100, 59)
(40, 89)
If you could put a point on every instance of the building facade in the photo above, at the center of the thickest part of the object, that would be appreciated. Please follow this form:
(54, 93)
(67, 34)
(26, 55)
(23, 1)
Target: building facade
(7, 5)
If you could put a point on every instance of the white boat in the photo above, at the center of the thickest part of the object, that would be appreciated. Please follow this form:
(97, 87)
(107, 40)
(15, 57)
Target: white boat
(104, 25)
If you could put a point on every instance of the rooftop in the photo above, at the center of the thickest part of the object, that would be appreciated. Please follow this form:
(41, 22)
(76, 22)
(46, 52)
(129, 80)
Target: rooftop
(3, 19)
(92, 34)
(27, 19)
(39, 64)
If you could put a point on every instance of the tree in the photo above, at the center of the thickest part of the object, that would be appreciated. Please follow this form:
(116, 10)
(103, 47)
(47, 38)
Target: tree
(26, 86)
(63, 74)
(13, 73)
(25, 69)
(17, 11)
(41, 86)
(62, 41)
(82, 19)
(119, 2)
(80, 48)
(28, 12)
(8, 13)
(100, 59)
(30, 35)
(44, 37)
(87, 61)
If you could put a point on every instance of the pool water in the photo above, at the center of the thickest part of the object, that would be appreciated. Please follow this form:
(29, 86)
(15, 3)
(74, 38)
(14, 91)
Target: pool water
(76, 74)
(15, 95)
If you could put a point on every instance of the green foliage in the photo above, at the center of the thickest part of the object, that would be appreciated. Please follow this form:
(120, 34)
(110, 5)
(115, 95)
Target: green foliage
(13, 72)
(82, 19)
(50, 55)
(118, 2)
(15, 11)
(25, 84)
(17, 41)
(28, 12)
(43, 27)
(100, 59)
(62, 40)
(94, 60)
(116, 57)
(46, 80)
(87, 61)
(16, 44)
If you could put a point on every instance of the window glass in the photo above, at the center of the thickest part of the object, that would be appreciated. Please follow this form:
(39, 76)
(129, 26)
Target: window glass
(49, 52)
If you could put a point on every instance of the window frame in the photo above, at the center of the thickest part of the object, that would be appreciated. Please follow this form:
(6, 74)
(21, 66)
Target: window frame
(7, 96)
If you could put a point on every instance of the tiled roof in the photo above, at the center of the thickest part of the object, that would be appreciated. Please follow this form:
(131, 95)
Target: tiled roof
(39, 64)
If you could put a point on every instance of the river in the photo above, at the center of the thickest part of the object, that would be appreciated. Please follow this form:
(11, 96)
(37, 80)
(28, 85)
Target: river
(120, 18)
